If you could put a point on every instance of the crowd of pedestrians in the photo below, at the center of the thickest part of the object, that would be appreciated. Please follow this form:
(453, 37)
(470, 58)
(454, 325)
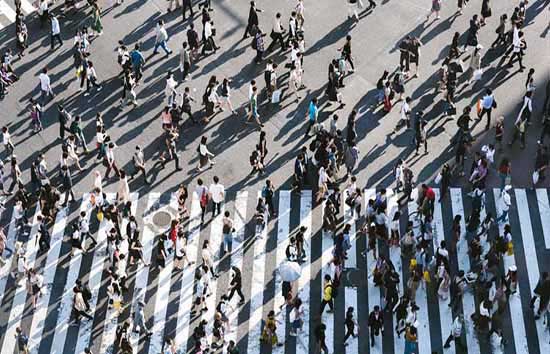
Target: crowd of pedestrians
(319, 165)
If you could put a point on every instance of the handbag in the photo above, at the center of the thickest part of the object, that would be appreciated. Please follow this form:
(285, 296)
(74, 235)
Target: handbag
(99, 216)
(276, 96)
(510, 249)
(536, 176)
(438, 178)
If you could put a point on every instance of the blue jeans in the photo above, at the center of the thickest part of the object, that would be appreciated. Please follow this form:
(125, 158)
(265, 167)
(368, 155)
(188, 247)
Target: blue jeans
(163, 45)
(227, 244)
(502, 178)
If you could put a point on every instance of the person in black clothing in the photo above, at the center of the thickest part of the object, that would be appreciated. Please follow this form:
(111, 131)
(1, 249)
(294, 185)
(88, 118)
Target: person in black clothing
(236, 285)
(350, 325)
(44, 239)
(299, 173)
(63, 118)
(186, 4)
(320, 336)
(252, 20)
(346, 52)
(267, 193)
(67, 182)
(301, 253)
(405, 54)
(376, 323)
(86, 293)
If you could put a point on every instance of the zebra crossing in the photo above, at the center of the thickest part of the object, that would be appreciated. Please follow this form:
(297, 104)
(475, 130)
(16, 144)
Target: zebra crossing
(8, 13)
(168, 292)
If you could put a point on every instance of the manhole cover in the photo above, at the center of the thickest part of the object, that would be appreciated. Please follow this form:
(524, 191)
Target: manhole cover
(162, 219)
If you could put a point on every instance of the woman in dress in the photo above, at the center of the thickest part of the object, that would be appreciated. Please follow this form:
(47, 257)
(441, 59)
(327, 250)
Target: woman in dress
(97, 26)
(205, 156)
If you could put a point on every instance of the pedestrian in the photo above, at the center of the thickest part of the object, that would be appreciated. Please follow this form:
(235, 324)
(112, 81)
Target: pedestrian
(320, 336)
(202, 192)
(296, 317)
(485, 106)
(55, 34)
(352, 10)
(351, 324)
(313, 113)
(138, 62)
(505, 203)
(542, 292)
(276, 35)
(97, 26)
(436, 7)
(109, 161)
(327, 295)
(501, 32)
(235, 285)
(217, 195)
(376, 323)
(411, 340)
(185, 61)
(485, 11)
(253, 22)
(139, 164)
(91, 78)
(186, 4)
(67, 182)
(225, 91)
(519, 45)
(253, 108)
(227, 234)
(22, 341)
(45, 86)
(269, 333)
(414, 48)
(161, 39)
(205, 156)
(208, 43)
(346, 53)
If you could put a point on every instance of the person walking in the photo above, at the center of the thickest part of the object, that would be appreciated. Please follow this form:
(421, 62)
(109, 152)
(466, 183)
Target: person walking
(217, 195)
(236, 285)
(276, 35)
(376, 323)
(55, 32)
(205, 156)
(505, 202)
(542, 292)
(313, 113)
(436, 7)
(519, 45)
(67, 182)
(253, 22)
(327, 295)
(456, 332)
(109, 161)
(161, 39)
(138, 62)
(351, 325)
(187, 5)
(320, 337)
(45, 86)
(185, 61)
(22, 341)
(227, 234)
(97, 26)
(346, 53)
(485, 106)
(139, 164)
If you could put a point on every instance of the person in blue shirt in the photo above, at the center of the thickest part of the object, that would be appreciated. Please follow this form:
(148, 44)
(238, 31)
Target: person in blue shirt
(313, 112)
(138, 61)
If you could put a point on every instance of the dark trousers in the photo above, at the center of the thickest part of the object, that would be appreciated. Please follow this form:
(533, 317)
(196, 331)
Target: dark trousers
(248, 29)
(82, 313)
(349, 331)
(519, 56)
(189, 114)
(323, 346)
(186, 67)
(239, 291)
(545, 131)
(277, 37)
(324, 303)
(110, 167)
(55, 37)
(269, 202)
(521, 137)
(216, 207)
(91, 81)
(259, 56)
(310, 124)
(450, 339)
(488, 111)
(374, 331)
(69, 193)
(185, 6)
(348, 58)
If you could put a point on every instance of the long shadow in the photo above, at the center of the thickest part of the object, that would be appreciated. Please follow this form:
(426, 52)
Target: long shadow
(331, 37)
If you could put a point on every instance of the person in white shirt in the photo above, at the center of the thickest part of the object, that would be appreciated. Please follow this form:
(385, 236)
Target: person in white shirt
(277, 34)
(45, 86)
(6, 140)
(171, 84)
(205, 156)
(217, 194)
(526, 109)
(56, 32)
(84, 228)
(518, 46)
(300, 15)
(505, 202)
(43, 11)
(209, 43)
(161, 39)
(123, 192)
(139, 164)
(405, 114)
(456, 331)
(109, 161)
(91, 78)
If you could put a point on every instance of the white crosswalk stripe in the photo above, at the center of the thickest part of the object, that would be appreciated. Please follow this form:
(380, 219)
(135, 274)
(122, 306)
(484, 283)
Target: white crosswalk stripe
(53, 336)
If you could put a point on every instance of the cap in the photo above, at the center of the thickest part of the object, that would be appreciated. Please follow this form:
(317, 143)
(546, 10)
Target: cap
(507, 187)
(513, 268)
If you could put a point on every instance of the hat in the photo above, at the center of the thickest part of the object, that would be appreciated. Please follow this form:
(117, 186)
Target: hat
(507, 187)
(479, 46)
(512, 268)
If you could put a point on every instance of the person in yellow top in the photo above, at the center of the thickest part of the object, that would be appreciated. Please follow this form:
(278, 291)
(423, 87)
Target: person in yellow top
(269, 333)
(327, 295)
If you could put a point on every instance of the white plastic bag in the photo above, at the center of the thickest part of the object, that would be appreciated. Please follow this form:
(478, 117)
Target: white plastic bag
(438, 178)
(276, 96)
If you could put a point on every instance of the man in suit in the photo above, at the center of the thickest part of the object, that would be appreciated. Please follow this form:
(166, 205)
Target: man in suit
(252, 19)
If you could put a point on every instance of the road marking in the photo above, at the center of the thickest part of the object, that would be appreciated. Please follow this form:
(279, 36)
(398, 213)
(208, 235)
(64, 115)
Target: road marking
(302, 342)
(7, 11)
(257, 290)
(94, 279)
(283, 229)
(20, 296)
(111, 317)
(531, 259)
(37, 322)
(65, 306)
(445, 312)
(544, 211)
(424, 335)
(373, 291)
(163, 295)
(468, 302)
(239, 220)
(350, 292)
